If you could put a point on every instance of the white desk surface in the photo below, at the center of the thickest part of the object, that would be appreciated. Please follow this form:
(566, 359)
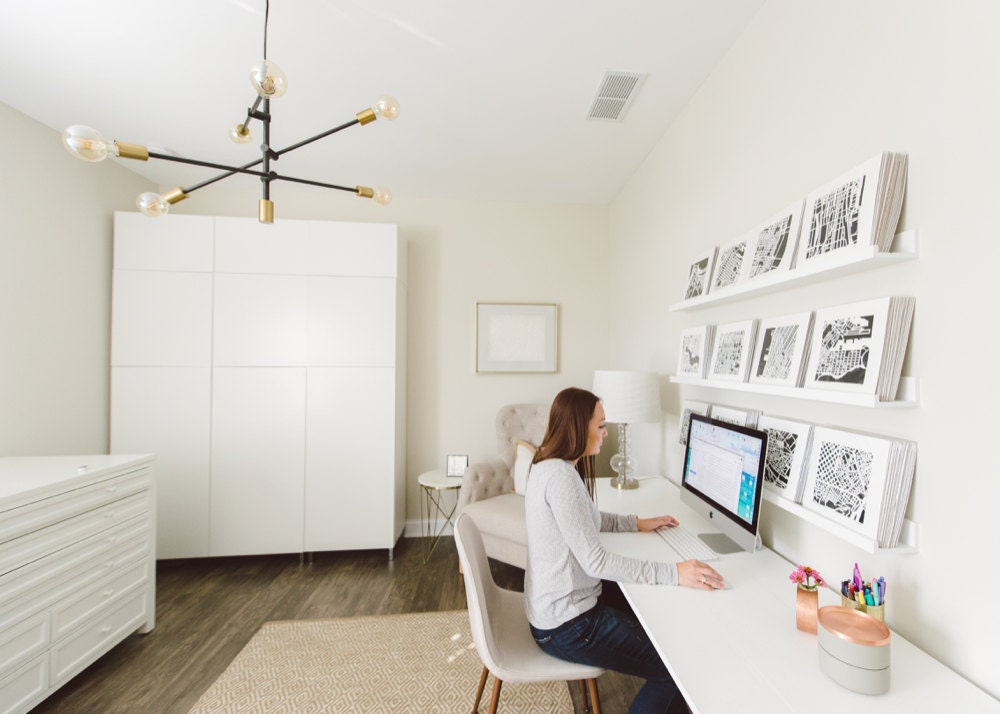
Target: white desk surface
(738, 650)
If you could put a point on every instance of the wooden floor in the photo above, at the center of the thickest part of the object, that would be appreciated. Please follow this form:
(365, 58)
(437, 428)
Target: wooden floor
(208, 609)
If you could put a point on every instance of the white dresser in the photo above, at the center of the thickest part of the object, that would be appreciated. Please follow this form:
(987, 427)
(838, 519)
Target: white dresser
(77, 566)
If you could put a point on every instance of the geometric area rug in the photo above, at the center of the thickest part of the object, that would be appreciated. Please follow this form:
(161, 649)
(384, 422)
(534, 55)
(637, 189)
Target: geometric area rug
(422, 662)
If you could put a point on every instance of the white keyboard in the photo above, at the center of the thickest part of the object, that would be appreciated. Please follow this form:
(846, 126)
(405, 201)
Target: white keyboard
(687, 544)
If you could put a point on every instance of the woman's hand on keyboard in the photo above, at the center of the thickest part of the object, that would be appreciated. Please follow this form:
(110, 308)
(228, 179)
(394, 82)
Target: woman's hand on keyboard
(695, 574)
(644, 525)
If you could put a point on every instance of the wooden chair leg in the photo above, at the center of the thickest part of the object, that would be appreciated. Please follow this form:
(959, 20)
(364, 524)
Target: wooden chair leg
(479, 692)
(595, 698)
(495, 699)
(583, 694)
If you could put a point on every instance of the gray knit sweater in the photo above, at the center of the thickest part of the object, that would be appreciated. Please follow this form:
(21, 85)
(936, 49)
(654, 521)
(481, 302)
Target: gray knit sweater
(566, 560)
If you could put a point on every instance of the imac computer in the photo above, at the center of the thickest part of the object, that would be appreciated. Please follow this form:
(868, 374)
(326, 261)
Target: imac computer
(723, 479)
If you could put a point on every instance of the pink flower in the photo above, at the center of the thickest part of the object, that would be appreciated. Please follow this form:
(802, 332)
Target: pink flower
(806, 577)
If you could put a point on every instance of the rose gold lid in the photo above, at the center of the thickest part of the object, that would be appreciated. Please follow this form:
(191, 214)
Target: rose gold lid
(853, 626)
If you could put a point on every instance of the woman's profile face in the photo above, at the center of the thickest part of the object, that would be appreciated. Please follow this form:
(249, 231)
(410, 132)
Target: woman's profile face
(596, 431)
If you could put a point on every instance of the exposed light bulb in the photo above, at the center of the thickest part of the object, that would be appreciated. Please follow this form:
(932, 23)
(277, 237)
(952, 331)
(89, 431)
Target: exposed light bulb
(88, 144)
(268, 79)
(152, 204)
(240, 134)
(387, 107)
(383, 196)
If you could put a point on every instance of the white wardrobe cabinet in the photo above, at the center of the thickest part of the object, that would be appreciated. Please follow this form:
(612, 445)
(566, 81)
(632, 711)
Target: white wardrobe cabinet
(265, 366)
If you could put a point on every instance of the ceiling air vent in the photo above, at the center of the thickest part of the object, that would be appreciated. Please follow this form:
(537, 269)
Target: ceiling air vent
(614, 96)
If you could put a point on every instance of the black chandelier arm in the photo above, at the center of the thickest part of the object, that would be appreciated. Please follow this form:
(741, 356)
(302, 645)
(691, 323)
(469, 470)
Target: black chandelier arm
(279, 177)
(319, 136)
(208, 164)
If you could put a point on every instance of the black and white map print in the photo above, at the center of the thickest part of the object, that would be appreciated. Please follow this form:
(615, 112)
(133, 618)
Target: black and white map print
(729, 353)
(688, 408)
(842, 480)
(692, 354)
(772, 243)
(730, 267)
(845, 344)
(777, 354)
(834, 218)
(780, 452)
(698, 278)
(848, 478)
(788, 445)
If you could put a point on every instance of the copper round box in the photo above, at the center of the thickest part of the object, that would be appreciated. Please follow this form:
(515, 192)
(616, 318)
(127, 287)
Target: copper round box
(853, 649)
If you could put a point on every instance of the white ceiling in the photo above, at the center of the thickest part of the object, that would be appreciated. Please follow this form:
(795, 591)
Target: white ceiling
(494, 95)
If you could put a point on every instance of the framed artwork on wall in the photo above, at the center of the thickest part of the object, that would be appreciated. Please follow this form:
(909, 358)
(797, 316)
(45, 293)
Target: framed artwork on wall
(517, 337)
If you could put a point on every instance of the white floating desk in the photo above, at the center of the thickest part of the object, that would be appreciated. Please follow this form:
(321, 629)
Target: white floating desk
(739, 649)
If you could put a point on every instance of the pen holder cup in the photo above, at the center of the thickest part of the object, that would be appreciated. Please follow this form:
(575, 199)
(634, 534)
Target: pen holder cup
(876, 611)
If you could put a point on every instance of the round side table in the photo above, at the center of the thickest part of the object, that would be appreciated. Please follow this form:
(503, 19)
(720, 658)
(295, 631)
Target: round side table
(434, 484)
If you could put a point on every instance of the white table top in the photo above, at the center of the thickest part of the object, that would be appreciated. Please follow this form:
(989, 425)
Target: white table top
(23, 476)
(738, 649)
(437, 480)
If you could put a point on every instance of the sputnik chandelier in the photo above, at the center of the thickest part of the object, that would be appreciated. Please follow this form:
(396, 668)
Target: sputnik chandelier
(270, 82)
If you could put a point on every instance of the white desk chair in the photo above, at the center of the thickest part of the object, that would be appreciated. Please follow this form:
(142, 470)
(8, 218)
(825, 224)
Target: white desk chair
(500, 628)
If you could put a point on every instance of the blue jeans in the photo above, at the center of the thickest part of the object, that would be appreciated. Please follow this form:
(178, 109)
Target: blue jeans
(609, 638)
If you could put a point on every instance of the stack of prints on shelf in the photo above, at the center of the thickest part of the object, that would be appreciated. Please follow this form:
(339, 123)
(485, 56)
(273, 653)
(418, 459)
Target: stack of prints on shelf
(788, 445)
(689, 407)
(732, 415)
(861, 207)
(771, 245)
(860, 347)
(732, 351)
(861, 481)
(695, 351)
(780, 354)
(700, 275)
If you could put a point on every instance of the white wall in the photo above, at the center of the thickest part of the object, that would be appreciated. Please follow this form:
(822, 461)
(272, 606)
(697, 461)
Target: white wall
(55, 291)
(809, 91)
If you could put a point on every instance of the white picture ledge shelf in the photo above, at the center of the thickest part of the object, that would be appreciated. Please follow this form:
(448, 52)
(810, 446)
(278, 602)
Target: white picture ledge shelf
(841, 262)
(907, 395)
(907, 535)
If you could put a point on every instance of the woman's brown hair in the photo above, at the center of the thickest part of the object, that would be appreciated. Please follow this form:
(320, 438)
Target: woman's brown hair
(566, 434)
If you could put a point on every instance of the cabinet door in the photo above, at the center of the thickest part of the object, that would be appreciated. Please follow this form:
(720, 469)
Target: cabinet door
(165, 410)
(350, 459)
(352, 322)
(261, 320)
(176, 243)
(258, 452)
(161, 319)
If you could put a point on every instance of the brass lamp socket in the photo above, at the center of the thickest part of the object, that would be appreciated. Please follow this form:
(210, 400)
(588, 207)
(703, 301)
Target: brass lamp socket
(265, 211)
(174, 195)
(367, 116)
(132, 151)
(365, 192)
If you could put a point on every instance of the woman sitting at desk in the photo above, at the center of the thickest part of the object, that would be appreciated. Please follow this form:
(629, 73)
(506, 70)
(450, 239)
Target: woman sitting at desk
(570, 617)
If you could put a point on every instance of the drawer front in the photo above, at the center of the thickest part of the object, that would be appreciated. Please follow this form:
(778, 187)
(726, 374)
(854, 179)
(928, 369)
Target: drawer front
(48, 511)
(24, 688)
(118, 620)
(33, 546)
(70, 613)
(38, 585)
(24, 640)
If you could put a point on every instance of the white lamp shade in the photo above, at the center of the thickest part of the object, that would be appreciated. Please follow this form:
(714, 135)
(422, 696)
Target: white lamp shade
(628, 397)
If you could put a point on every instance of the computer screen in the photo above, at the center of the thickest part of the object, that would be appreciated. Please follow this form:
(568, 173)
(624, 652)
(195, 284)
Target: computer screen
(723, 480)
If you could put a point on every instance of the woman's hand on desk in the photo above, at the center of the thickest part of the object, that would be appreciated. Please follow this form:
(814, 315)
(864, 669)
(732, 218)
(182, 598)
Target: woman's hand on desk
(695, 574)
(644, 525)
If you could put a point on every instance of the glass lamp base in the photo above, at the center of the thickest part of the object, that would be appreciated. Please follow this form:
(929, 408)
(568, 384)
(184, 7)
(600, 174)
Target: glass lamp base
(624, 483)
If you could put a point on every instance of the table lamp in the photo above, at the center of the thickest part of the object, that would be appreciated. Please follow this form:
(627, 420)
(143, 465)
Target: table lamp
(628, 398)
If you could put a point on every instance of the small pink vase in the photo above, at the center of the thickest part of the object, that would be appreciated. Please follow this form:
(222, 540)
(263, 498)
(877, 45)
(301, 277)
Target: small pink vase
(806, 606)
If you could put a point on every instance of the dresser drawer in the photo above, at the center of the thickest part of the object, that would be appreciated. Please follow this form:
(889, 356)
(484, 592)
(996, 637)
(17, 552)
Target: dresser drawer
(23, 640)
(72, 611)
(31, 517)
(78, 650)
(37, 585)
(29, 548)
(25, 687)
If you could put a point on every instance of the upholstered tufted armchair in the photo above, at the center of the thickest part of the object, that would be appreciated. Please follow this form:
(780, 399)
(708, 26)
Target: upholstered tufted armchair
(487, 492)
